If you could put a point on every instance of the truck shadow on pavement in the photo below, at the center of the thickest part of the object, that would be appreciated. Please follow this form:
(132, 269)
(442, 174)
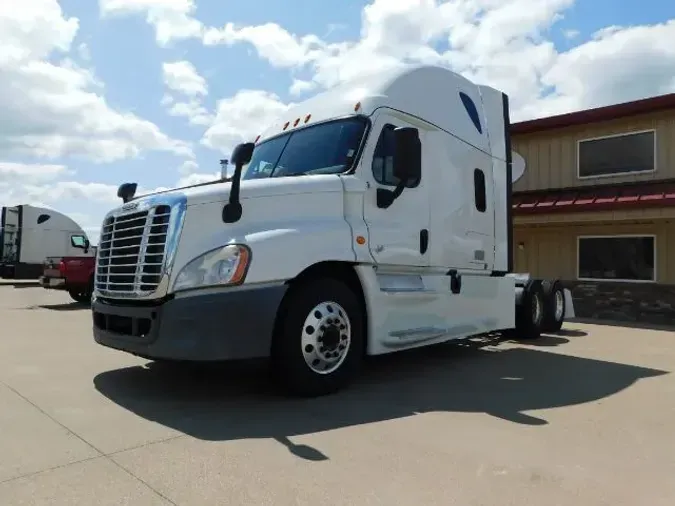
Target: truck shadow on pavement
(236, 401)
(67, 306)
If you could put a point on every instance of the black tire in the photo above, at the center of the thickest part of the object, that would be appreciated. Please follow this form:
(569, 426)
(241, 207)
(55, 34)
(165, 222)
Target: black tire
(527, 326)
(547, 287)
(554, 295)
(81, 297)
(90, 288)
(290, 369)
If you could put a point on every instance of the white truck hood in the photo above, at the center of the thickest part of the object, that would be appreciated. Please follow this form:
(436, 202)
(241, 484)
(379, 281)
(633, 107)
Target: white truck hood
(268, 187)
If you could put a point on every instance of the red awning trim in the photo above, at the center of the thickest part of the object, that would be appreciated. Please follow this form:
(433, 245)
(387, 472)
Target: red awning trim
(596, 199)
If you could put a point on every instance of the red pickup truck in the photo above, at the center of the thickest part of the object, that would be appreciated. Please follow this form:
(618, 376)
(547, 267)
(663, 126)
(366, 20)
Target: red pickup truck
(74, 275)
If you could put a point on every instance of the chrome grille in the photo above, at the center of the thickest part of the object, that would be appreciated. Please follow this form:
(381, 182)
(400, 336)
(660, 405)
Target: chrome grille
(132, 252)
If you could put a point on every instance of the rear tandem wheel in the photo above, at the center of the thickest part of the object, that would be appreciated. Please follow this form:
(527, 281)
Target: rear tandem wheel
(530, 313)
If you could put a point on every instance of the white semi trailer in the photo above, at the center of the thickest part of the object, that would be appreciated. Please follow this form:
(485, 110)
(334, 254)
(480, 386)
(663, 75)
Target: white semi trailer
(398, 234)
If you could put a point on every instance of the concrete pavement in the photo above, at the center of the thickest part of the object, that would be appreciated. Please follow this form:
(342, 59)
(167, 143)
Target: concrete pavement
(585, 417)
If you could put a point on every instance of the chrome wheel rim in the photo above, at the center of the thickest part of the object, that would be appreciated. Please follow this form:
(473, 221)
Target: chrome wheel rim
(559, 305)
(536, 309)
(326, 337)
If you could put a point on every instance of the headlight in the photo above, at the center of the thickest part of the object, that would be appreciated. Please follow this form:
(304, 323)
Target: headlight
(226, 265)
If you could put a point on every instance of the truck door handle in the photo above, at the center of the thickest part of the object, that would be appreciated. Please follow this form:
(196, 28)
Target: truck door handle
(424, 240)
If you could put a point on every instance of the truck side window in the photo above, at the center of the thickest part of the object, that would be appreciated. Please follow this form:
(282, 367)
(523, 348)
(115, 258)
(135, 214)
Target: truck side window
(383, 159)
(479, 190)
(78, 241)
(471, 110)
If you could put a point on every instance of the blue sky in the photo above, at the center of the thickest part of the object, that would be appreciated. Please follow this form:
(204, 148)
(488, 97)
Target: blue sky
(120, 46)
(130, 66)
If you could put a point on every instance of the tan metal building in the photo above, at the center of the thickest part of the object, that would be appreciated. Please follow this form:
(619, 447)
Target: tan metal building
(596, 207)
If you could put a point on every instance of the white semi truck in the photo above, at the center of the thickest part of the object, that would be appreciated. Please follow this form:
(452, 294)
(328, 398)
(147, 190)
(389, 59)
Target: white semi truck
(30, 234)
(372, 218)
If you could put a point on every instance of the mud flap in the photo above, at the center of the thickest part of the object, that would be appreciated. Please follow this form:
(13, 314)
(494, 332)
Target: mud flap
(569, 304)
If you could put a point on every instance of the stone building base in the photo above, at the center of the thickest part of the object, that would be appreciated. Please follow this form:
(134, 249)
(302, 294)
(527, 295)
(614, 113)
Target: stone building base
(649, 303)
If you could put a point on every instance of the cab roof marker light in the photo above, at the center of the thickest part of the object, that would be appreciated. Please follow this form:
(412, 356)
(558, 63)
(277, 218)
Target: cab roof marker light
(357, 106)
(286, 125)
(256, 139)
(307, 118)
(295, 123)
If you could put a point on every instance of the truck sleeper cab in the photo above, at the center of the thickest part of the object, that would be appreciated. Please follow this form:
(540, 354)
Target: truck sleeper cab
(29, 234)
(371, 218)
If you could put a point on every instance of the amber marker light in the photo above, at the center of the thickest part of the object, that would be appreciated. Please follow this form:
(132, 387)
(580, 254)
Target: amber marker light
(307, 118)
(240, 270)
(360, 240)
(357, 106)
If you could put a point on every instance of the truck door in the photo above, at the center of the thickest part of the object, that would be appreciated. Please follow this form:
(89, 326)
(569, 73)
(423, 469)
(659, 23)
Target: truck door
(399, 234)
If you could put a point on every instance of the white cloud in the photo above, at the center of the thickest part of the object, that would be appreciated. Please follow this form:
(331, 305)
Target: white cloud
(242, 118)
(197, 178)
(57, 192)
(192, 110)
(188, 167)
(502, 44)
(13, 173)
(272, 42)
(301, 86)
(182, 76)
(172, 19)
(618, 65)
(51, 108)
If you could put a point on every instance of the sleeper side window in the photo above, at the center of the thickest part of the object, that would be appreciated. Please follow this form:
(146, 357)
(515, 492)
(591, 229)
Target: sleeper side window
(383, 159)
(479, 190)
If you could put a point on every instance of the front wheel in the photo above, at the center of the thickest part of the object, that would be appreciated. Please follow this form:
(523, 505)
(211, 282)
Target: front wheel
(318, 343)
(79, 296)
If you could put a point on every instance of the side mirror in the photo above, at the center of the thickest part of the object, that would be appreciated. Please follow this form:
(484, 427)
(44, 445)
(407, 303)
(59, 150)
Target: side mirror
(126, 191)
(242, 154)
(407, 154)
(87, 245)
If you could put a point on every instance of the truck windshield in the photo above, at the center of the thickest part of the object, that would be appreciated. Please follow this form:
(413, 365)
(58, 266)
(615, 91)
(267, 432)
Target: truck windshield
(327, 148)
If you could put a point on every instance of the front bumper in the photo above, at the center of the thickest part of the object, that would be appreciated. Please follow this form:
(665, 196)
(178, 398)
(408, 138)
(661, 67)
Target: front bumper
(228, 325)
(52, 283)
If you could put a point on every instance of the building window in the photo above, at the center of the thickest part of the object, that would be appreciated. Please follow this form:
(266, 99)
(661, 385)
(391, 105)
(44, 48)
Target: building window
(383, 159)
(617, 258)
(479, 196)
(619, 154)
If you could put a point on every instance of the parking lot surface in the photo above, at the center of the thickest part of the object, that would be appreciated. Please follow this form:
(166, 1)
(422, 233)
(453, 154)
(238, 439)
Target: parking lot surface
(585, 417)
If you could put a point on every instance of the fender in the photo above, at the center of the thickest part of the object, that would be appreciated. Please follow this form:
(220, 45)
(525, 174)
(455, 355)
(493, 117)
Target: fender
(286, 233)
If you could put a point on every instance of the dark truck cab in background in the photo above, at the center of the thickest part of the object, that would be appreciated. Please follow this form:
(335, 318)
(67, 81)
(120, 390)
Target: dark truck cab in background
(74, 275)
